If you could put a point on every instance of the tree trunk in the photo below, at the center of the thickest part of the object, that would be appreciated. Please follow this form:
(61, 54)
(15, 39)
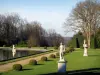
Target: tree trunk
(88, 39)
(89, 42)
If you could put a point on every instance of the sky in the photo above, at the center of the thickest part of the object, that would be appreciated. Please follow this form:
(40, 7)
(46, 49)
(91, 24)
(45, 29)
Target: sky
(50, 13)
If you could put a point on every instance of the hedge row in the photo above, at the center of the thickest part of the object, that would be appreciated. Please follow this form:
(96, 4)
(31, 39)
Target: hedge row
(78, 40)
(69, 49)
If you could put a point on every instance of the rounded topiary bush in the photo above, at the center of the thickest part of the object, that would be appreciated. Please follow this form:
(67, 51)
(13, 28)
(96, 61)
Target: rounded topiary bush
(32, 62)
(57, 54)
(44, 58)
(52, 56)
(17, 67)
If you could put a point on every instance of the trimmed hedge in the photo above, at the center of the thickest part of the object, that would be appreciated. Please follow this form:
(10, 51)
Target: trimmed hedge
(44, 58)
(52, 56)
(55, 47)
(76, 41)
(33, 62)
(17, 67)
(70, 49)
(94, 44)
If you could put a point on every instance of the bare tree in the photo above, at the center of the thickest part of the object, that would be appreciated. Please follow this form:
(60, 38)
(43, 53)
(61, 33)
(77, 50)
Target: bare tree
(35, 30)
(8, 27)
(85, 17)
(30, 41)
(15, 30)
(54, 38)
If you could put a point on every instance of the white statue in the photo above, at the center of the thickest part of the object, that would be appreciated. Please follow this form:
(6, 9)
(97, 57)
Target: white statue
(85, 48)
(13, 51)
(61, 52)
(62, 61)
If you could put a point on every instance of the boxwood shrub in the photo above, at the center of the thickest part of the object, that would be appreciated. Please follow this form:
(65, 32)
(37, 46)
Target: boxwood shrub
(32, 62)
(17, 67)
(44, 58)
(52, 56)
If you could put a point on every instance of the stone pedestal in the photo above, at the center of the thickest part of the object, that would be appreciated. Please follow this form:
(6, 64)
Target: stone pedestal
(85, 48)
(62, 66)
(85, 53)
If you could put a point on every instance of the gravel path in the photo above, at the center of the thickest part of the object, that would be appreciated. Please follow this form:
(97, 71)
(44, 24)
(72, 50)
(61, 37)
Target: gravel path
(8, 66)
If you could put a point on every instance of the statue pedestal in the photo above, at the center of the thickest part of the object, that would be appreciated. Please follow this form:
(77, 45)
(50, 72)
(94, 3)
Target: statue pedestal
(85, 48)
(62, 66)
(85, 55)
(85, 52)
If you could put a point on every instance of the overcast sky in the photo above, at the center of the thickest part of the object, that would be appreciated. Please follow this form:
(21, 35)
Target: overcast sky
(50, 13)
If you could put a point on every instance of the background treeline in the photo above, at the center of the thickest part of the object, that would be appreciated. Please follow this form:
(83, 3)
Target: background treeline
(77, 40)
(15, 30)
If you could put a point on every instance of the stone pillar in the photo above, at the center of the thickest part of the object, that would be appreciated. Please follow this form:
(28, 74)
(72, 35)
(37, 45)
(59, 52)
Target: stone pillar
(85, 52)
(85, 48)
(61, 66)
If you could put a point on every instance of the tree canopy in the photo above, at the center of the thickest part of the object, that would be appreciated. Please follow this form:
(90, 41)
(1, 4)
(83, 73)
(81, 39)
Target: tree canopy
(85, 17)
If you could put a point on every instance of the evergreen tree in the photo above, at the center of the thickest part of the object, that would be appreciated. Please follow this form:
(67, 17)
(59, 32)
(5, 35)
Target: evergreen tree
(77, 43)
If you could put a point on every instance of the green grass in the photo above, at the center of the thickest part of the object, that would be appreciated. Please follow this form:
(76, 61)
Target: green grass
(75, 61)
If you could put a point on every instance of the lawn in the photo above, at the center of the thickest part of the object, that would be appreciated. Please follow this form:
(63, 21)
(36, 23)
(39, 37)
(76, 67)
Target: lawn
(76, 64)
